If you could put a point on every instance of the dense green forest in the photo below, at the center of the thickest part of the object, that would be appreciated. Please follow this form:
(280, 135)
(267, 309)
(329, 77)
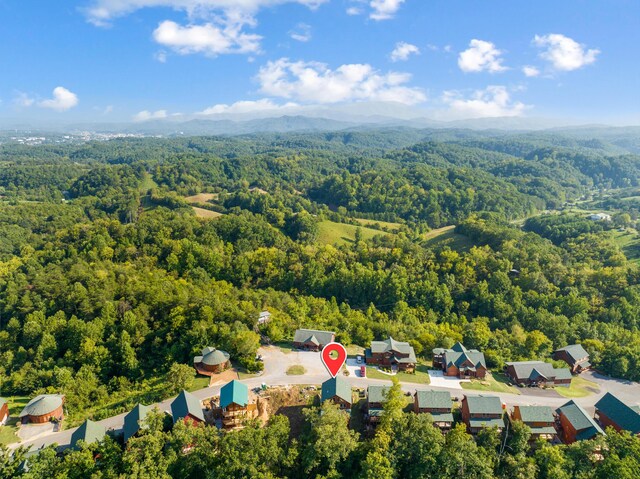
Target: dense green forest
(108, 278)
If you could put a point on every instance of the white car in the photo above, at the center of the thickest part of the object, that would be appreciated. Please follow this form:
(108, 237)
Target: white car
(358, 359)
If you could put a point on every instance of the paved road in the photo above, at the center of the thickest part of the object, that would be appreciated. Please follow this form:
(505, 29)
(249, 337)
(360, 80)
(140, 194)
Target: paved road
(277, 362)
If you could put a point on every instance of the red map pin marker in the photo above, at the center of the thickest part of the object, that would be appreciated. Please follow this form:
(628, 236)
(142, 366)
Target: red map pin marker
(334, 364)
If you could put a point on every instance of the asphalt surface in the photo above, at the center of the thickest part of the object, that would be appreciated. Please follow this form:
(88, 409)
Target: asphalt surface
(276, 363)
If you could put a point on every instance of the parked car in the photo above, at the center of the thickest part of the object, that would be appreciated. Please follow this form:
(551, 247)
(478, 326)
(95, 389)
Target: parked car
(363, 371)
(358, 358)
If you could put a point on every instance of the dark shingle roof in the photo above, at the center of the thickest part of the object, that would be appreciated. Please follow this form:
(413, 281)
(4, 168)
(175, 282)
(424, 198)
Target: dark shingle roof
(457, 357)
(316, 337)
(337, 386)
(89, 432)
(184, 405)
(575, 351)
(623, 415)
(484, 404)
(486, 422)
(234, 392)
(536, 413)
(434, 399)
(42, 404)
(536, 370)
(133, 419)
(377, 394)
(582, 422)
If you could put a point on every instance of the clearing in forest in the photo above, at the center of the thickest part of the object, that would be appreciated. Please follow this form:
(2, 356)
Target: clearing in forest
(208, 214)
(330, 232)
(201, 197)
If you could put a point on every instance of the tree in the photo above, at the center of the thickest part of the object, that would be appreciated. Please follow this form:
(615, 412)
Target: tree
(180, 377)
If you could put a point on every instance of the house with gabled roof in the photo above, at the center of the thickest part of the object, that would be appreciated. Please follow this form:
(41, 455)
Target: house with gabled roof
(134, 421)
(460, 361)
(186, 407)
(575, 356)
(480, 412)
(4, 411)
(337, 390)
(537, 373)
(212, 361)
(312, 339)
(376, 396)
(436, 403)
(391, 354)
(576, 424)
(89, 432)
(539, 419)
(236, 405)
(611, 411)
(43, 408)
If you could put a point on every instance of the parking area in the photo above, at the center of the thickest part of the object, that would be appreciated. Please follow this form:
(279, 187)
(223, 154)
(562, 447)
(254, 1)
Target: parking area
(276, 361)
(438, 379)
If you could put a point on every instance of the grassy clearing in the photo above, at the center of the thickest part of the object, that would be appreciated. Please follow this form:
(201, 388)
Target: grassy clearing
(447, 237)
(629, 242)
(208, 214)
(496, 382)
(353, 350)
(147, 183)
(421, 376)
(330, 232)
(200, 382)
(579, 388)
(382, 224)
(296, 370)
(8, 433)
(202, 197)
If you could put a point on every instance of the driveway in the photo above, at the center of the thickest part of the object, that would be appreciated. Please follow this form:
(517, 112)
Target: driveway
(438, 379)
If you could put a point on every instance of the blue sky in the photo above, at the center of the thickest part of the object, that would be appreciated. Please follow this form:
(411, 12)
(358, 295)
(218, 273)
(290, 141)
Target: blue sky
(114, 60)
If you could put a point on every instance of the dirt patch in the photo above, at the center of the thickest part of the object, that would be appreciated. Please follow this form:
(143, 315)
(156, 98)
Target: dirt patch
(290, 402)
(208, 214)
(223, 378)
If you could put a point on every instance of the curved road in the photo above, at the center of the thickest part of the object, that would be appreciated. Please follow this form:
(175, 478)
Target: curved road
(276, 362)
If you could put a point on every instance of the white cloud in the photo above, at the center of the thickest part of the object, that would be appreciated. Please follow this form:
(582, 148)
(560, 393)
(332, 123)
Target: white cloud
(403, 51)
(161, 56)
(313, 82)
(23, 100)
(564, 53)
(208, 38)
(247, 107)
(354, 11)
(494, 101)
(481, 56)
(384, 9)
(146, 115)
(301, 33)
(62, 100)
(530, 71)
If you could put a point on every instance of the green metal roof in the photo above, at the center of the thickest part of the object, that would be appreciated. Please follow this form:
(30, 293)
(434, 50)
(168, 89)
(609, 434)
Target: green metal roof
(620, 413)
(442, 416)
(536, 414)
(459, 348)
(575, 351)
(434, 399)
(42, 404)
(234, 392)
(186, 404)
(337, 386)
(458, 355)
(484, 404)
(391, 344)
(579, 419)
(133, 420)
(543, 430)
(536, 370)
(485, 422)
(313, 335)
(377, 394)
(89, 432)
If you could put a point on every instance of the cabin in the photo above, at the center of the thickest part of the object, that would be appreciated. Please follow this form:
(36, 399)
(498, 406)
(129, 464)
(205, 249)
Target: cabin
(89, 432)
(479, 412)
(460, 362)
(391, 354)
(539, 419)
(575, 423)
(436, 403)
(186, 407)
(4, 411)
(537, 373)
(212, 361)
(134, 421)
(235, 405)
(337, 390)
(264, 317)
(42, 409)
(611, 411)
(575, 356)
(600, 217)
(312, 340)
(376, 395)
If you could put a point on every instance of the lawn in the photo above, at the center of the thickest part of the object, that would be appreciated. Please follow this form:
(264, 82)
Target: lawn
(200, 382)
(286, 347)
(580, 387)
(208, 214)
(446, 237)
(496, 382)
(296, 370)
(8, 433)
(353, 350)
(147, 184)
(383, 224)
(421, 376)
(330, 232)
(629, 242)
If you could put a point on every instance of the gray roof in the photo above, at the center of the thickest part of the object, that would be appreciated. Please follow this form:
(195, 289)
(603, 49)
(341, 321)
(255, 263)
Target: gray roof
(337, 386)
(442, 416)
(314, 336)
(212, 356)
(391, 345)
(536, 414)
(434, 399)
(42, 404)
(186, 404)
(133, 420)
(582, 422)
(627, 417)
(377, 394)
(484, 404)
(575, 351)
(458, 355)
(89, 432)
(535, 370)
(486, 422)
